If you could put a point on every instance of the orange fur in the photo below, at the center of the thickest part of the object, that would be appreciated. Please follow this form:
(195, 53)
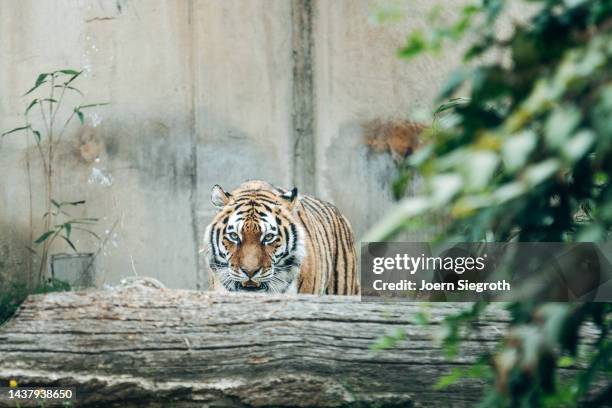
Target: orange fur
(399, 138)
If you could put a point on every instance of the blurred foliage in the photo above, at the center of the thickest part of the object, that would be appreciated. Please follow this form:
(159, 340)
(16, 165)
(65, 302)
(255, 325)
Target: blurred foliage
(524, 155)
(389, 340)
(13, 294)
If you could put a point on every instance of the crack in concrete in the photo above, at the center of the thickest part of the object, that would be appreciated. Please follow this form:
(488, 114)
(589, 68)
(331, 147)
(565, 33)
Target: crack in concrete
(193, 158)
(91, 20)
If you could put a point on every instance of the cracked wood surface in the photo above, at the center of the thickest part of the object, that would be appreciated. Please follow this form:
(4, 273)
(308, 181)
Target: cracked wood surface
(141, 346)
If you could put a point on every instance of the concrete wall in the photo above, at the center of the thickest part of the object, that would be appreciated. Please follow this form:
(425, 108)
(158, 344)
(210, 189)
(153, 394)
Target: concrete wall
(201, 92)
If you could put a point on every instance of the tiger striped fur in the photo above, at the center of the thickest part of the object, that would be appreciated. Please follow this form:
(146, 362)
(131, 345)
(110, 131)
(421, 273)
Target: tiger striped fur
(271, 240)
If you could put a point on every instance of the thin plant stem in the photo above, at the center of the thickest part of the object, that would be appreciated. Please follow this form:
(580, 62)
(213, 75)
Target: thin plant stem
(38, 145)
(49, 186)
(44, 117)
(51, 115)
(30, 264)
(59, 137)
(110, 233)
(59, 104)
(42, 155)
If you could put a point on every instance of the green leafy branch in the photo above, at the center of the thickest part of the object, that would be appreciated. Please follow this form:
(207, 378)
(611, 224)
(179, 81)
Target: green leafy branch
(64, 230)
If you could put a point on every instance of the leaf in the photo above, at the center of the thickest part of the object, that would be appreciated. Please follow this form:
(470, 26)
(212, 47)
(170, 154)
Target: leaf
(479, 47)
(31, 105)
(601, 178)
(69, 71)
(39, 81)
(31, 90)
(603, 111)
(91, 105)
(75, 203)
(450, 104)
(560, 124)
(68, 227)
(445, 186)
(415, 45)
(69, 87)
(492, 9)
(80, 116)
(453, 83)
(421, 318)
(15, 130)
(44, 236)
(480, 168)
(75, 76)
(489, 82)
(29, 248)
(578, 145)
(537, 173)
(389, 340)
(509, 191)
(387, 13)
(517, 149)
(36, 135)
(566, 361)
(41, 78)
(449, 379)
(69, 243)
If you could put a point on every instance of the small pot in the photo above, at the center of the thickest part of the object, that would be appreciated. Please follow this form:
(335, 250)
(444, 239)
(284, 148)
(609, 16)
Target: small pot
(78, 270)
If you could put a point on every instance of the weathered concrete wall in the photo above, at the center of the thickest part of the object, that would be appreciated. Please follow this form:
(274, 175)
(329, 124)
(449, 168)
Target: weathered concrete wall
(137, 56)
(201, 92)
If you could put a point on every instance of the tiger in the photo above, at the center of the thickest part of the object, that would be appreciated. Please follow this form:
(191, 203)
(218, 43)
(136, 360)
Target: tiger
(272, 240)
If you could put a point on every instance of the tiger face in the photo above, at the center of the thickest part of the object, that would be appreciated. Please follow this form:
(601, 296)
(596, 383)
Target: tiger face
(253, 243)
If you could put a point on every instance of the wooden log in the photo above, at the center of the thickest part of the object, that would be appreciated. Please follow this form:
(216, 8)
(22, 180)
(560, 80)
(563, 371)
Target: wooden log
(145, 346)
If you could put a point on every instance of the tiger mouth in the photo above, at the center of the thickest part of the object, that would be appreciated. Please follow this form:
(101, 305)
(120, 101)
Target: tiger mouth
(252, 289)
(251, 286)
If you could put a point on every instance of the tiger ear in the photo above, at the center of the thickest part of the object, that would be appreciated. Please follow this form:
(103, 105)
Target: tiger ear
(218, 197)
(291, 196)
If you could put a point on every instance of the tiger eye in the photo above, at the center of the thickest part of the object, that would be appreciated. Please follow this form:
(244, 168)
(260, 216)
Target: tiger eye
(234, 237)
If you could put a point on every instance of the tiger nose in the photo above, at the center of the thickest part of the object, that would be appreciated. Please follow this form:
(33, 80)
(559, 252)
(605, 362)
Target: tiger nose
(250, 272)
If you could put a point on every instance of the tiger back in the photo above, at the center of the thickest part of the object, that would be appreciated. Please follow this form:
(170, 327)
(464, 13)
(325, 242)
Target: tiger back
(271, 240)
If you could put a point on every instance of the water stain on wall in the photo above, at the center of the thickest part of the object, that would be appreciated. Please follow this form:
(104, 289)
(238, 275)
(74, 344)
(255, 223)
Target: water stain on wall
(90, 144)
(363, 191)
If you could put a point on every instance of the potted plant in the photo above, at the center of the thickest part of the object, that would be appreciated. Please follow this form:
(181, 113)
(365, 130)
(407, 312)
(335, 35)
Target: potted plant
(47, 116)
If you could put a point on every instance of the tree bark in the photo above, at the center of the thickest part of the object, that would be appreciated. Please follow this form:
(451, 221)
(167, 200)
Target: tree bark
(145, 346)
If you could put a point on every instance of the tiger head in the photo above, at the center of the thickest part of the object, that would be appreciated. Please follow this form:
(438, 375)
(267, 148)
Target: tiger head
(254, 242)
